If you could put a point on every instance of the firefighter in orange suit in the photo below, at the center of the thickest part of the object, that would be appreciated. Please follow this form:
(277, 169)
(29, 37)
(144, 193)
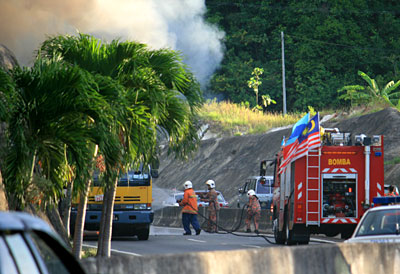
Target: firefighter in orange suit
(392, 191)
(253, 211)
(189, 211)
(213, 206)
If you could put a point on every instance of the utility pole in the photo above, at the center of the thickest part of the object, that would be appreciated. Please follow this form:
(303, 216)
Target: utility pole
(283, 74)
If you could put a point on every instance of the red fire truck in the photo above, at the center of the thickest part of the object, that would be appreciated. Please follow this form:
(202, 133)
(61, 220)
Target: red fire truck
(328, 190)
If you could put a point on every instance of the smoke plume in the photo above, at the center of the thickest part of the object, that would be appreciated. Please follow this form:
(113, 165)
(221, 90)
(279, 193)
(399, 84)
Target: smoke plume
(175, 24)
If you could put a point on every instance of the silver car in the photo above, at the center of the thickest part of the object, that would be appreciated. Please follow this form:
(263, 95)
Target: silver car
(29, 245)
(380, 224)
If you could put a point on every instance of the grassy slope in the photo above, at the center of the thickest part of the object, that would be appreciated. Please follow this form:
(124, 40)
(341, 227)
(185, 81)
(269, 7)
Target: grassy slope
(229, 119)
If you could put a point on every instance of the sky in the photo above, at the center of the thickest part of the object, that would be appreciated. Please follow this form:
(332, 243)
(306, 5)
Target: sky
(174, 24)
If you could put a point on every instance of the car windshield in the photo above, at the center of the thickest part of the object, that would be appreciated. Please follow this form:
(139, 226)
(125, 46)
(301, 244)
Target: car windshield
(128, 179)
(381, 222)
(178, 197)
(264, 188)
(134, 179)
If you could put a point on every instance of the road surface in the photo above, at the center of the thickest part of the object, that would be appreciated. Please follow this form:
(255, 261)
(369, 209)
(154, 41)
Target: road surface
(165, 240)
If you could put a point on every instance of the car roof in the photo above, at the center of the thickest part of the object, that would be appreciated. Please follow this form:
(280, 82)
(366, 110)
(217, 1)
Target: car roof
(385, 207)
(22, 221)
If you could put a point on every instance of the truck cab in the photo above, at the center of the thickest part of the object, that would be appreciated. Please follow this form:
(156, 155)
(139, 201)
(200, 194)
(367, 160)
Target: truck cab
(262, 185)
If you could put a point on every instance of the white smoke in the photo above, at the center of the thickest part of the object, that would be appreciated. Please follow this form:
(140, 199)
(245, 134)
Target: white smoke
(176, 24)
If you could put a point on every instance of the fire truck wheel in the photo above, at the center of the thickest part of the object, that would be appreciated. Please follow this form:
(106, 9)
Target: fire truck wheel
(289, 233)
(346, 234)
(278, 235)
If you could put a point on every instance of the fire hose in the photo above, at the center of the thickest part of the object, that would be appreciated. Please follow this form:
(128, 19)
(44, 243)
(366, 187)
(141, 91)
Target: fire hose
(227, 231)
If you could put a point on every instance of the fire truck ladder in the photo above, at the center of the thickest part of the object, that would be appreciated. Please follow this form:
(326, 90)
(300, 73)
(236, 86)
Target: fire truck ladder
(313, 194)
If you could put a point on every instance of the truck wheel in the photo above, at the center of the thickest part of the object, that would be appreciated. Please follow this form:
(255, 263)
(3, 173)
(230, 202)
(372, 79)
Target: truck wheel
(143, 234)
(289, 233)
(278, 235)
(346, 234)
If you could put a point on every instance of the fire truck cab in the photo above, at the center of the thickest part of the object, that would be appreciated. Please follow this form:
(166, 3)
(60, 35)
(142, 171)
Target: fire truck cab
(328, 190)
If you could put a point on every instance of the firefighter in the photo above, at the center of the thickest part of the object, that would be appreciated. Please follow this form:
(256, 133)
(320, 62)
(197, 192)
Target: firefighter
(213, 207)
(253, 211)
(189, 211)
(392, 191)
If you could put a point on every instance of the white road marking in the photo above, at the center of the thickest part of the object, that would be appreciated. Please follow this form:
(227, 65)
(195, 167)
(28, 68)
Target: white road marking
(323, 241)
(115, 250)
(124, 252)
(199, 241)
(256, 246)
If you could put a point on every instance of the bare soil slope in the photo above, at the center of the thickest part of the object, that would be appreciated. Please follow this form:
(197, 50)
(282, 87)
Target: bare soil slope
(229, 161)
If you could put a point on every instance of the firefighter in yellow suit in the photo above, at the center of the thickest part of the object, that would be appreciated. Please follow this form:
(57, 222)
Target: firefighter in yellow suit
(213, 207)
(253, 211)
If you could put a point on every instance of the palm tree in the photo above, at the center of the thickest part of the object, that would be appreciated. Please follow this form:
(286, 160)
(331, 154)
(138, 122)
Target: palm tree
(158, 90)
(48, 109)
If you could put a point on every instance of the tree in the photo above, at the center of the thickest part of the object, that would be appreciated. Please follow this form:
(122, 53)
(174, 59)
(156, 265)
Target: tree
(371, 94)
(47, 109)
(255, 81)
(157, 91)
(386, 94)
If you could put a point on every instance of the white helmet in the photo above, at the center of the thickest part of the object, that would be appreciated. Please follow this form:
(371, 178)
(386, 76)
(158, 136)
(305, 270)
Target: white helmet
(251, 193)
(188, 184)
(210, 183)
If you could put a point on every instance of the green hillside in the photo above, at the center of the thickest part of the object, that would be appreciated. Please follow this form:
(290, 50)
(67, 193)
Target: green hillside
(326, 44)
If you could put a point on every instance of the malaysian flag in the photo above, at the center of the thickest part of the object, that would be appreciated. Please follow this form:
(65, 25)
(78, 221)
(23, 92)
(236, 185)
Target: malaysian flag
(308, 139)
(291, 144)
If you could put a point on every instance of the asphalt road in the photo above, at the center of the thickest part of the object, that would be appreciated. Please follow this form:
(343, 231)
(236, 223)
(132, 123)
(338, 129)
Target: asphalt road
(164, 240)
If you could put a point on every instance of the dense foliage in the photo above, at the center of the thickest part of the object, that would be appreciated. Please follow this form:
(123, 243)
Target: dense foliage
(326, 44)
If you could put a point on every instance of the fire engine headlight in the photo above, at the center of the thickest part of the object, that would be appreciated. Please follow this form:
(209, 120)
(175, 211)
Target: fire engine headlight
(140, 206)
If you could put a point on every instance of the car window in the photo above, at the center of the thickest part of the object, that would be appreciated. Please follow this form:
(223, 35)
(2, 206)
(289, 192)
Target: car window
(51, 260)
(6, 261)
(252, 184)
(380, 222)
(264, 188)
(21, 254)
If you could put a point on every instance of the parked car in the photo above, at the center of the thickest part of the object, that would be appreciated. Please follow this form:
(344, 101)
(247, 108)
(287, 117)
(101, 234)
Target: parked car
(174, 199)
(221, 200)
(262, 185)
(29, 245)
(378, 224)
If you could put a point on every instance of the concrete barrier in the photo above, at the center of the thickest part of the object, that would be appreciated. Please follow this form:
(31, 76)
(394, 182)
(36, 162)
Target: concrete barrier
(229, 218)
(342, 258)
